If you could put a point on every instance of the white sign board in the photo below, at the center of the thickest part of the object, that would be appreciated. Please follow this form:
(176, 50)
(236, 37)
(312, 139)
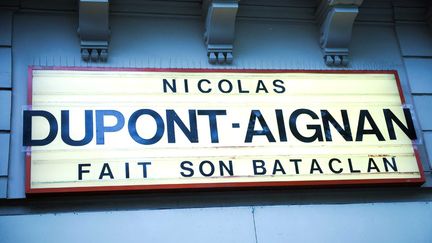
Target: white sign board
(138, 129)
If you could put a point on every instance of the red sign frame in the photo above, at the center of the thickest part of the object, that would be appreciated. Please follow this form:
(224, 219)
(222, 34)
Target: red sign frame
(318, 183)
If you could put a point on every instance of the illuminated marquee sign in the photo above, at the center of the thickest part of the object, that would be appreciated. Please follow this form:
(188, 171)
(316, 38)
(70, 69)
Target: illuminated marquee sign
(139, 129)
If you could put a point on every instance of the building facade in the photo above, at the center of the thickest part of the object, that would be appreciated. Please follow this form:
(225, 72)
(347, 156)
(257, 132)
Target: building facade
(344, 35)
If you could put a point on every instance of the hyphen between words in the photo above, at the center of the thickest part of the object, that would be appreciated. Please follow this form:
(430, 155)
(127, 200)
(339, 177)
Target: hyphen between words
(272, 125)
(365, 124)
(320, 130)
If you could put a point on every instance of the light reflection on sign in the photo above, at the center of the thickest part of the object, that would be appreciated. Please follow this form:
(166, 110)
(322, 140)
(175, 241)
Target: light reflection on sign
(92, 130)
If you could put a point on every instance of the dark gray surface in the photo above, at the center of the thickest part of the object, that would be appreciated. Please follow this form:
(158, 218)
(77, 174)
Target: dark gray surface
(423, 105)
(4, 153)
(415, 39)
(6, 27)
(210, 198)
(5, 109)
(419, 74)
(185, 225)
(397, 222)
(3, 186)
(5, 67)
(428, 143)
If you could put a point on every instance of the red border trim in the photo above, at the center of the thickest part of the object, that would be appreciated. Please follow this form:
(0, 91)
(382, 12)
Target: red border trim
(318, 183)
(28, 149)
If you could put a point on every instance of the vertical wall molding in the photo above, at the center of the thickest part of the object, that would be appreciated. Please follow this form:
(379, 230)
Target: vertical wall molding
(336, 19)
(94, 30)
(220, 17)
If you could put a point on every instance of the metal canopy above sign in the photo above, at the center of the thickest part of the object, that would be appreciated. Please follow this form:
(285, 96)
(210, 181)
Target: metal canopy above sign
(140, 129)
